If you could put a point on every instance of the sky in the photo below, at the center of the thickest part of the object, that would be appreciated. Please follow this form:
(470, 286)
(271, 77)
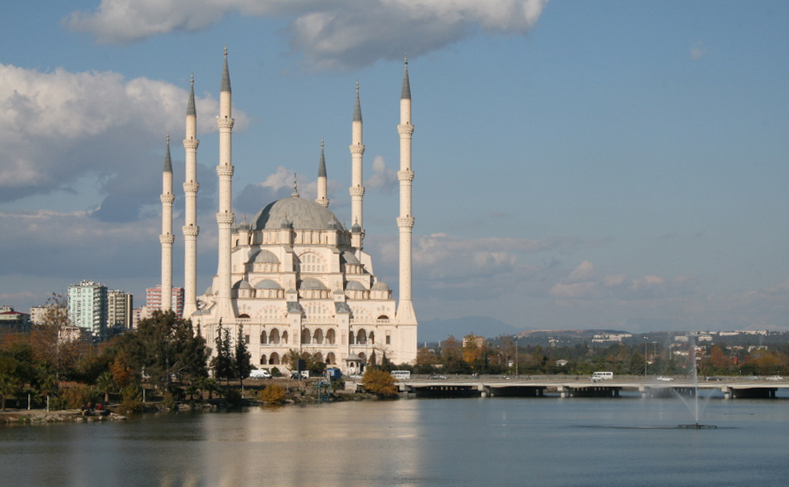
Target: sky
(611, 164)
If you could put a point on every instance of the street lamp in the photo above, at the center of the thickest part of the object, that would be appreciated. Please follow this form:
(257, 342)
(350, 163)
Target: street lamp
(645, 358)
(516, 356)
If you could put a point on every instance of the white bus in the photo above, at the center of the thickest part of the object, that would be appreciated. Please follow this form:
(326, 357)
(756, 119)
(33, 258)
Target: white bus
(599, 376)
(401, 374)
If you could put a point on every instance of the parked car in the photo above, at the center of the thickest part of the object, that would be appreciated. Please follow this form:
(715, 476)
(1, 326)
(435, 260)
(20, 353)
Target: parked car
(665, 379)
(712, 379)
(437, 377)
(775, 378)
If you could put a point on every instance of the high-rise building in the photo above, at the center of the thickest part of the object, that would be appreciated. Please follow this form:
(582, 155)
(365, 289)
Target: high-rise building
(153, 300)
(119, 309)
(87, 308)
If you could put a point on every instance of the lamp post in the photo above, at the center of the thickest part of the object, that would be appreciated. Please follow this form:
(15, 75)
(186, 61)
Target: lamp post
(645, 358)
(516, 356)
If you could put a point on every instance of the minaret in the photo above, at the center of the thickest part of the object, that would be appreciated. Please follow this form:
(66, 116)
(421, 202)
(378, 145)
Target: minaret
(190, 228)
(405, 310)
(225, 218)
(167, 238)
(322, 184)
(357, 190)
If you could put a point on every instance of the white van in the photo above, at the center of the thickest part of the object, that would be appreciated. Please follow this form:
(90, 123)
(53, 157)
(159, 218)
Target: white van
(401, 374)
(260, 374)
(600, 376)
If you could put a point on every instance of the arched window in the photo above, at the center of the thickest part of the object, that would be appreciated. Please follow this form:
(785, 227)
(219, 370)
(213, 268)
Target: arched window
(262, 359)
(285, 337)
(305, 336)
(330, 359)
(274, 360)
(372, 338)
(317, 338)
(351, 337)
(273, 337)
(361, 337)
(263, 337)
(331, 336)
(362, 356)
(318, 357)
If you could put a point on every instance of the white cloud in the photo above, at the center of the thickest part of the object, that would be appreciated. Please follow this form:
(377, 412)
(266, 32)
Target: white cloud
(340, 34)
(57, 127)
(383, 178)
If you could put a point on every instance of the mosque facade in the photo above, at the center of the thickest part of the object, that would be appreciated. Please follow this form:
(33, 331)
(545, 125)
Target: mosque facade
(294, 277)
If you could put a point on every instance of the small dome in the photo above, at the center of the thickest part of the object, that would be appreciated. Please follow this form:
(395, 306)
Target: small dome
(266, 257)
(354, 286)
(267, 284)
(311, 283)
(380, 286)
(242, 284)
(349, 258)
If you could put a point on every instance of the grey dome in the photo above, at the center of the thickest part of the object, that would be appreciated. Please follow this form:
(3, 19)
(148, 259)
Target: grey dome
(267, 284)
(380, 286)
(312, 284)
(300, 213)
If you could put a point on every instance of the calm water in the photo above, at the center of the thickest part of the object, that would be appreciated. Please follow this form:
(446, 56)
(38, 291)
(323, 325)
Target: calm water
(494, 441)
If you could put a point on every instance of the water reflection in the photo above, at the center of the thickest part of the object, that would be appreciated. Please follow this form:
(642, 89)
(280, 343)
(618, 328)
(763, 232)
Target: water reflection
(417, 442)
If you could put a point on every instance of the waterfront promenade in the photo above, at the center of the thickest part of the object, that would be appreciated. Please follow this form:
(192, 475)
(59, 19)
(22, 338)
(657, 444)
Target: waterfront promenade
(582, 386)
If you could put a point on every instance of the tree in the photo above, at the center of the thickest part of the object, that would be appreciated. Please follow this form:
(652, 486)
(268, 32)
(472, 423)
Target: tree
(272, 394)
(380, 383)
(9, 385)
(222, 363)
(105, 384)
(166, 347)
(242, 361)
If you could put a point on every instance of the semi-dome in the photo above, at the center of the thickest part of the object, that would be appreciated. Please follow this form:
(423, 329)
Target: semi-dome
(312, 284)
(265, 257)
(349, 258)
(354, 286)
(302, 214)
(242, 284)
(267, 284)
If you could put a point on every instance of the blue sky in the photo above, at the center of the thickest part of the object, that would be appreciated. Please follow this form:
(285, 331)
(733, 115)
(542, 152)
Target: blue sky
(578, 164)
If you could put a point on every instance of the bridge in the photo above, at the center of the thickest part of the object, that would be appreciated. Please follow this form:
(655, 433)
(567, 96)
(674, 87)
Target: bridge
(564, 386)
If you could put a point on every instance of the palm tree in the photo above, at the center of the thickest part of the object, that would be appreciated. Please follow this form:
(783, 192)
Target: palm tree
(105, 383)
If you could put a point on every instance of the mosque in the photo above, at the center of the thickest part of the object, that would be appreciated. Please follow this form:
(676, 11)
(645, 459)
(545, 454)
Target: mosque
(295, 278)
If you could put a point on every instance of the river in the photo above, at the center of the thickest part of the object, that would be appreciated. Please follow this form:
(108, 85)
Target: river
(416, 442)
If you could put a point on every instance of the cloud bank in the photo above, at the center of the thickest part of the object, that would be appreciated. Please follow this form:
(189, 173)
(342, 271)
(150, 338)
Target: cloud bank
(58, 127)
(338, 34)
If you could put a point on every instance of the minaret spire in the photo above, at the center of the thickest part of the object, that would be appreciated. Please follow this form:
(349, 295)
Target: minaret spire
(322, 183)
(405, 310)
(167, 238)
(225, 217)
(190, 229)
(357, 189)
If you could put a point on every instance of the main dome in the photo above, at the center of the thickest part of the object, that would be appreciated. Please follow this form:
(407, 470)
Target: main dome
(297, 213)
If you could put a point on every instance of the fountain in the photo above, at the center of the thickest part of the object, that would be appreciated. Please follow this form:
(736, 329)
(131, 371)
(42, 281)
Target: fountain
(694, 407)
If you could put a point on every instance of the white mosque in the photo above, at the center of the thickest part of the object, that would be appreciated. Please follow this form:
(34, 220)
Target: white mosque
(294, 277)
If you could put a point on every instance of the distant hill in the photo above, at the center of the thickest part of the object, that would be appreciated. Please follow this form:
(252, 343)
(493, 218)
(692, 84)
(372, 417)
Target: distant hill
(485, 326)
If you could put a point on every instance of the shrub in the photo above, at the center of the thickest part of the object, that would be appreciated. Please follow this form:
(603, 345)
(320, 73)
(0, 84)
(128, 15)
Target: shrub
(76, 396)
(275, 372)
(272, 394)
(380, 383)
(233, 396)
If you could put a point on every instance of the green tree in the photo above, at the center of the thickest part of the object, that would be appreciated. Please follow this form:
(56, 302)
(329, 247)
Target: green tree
(222, 363)
(9, 386)
(242, 361)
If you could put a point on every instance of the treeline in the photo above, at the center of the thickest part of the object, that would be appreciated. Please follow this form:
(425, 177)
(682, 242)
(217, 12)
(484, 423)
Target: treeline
(475, 355)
